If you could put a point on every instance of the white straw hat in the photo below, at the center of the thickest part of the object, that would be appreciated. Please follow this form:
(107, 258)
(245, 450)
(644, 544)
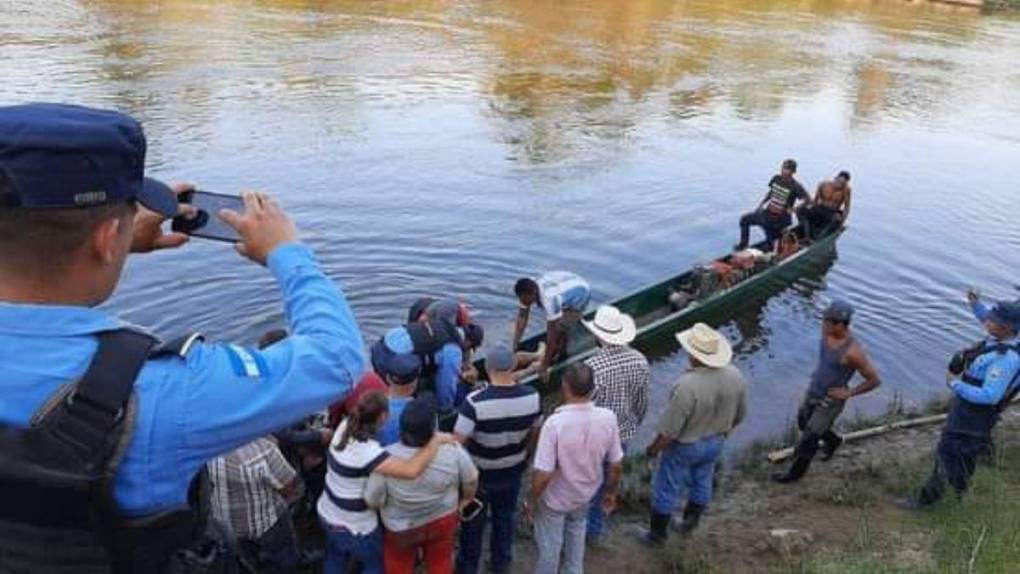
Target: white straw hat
(706, 345)
(611, 326)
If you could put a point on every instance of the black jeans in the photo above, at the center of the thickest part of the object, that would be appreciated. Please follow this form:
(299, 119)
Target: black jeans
(500, 500)
(773, 225)
(276, 551)
(817, 219)
(955, 461)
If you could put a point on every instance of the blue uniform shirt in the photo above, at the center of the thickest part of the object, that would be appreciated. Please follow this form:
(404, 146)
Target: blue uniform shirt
(997, 370)
(191, 409)
(448, 363)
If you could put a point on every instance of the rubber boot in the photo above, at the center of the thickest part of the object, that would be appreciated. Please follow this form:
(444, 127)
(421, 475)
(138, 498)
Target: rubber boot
(692, 515)
(797, 470)
(657, 533)
(832, 442)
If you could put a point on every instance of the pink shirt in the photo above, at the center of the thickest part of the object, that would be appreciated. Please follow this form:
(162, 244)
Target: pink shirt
(574, 445)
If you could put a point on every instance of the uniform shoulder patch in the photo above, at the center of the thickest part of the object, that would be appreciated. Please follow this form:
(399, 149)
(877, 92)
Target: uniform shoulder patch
(247, 362)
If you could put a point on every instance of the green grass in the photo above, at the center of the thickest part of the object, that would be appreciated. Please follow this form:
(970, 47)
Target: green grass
(981, 532)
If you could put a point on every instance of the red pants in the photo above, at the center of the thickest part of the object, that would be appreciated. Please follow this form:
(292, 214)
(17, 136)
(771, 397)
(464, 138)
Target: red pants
(435, 540)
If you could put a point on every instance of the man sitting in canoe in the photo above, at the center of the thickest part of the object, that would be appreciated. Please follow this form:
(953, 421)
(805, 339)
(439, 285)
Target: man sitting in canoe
(563, 296)
(830, 208)
(774, 213)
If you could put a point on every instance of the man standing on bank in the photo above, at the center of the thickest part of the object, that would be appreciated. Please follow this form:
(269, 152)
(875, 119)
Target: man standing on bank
(774, 214)
(707, 403)
(840, 357)
(80, 387)
(622, 380)
(983, 379)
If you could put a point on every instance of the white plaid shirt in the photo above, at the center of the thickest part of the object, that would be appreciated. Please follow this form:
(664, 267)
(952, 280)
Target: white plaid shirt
(622, 379)
(245, 488)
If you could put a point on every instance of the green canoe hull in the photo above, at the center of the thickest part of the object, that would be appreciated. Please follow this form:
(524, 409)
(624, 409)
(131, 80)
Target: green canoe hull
(658, 321)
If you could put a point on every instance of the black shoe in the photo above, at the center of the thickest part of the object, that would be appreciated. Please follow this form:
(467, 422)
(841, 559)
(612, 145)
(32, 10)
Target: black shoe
(646, 537)
(784, 477)
(830, 449)
(692, 516)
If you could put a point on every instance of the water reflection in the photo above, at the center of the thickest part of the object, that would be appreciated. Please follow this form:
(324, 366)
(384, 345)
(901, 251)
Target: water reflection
(431, 146)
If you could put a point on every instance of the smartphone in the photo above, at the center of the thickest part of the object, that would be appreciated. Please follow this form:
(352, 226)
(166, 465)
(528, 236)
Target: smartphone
(470, 510)
(207, 223)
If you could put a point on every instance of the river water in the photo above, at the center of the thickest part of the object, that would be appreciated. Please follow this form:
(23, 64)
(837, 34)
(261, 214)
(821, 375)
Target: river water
(430, 147)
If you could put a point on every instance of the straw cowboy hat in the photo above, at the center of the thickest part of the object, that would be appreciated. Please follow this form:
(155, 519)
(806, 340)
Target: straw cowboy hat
(706, 345)
(611, 326)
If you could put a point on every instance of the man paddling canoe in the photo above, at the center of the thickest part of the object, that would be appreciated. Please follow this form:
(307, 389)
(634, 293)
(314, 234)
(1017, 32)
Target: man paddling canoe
(563, 296)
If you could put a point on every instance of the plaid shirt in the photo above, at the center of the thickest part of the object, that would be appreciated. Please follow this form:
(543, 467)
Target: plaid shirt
(245, 488)
(622, 379)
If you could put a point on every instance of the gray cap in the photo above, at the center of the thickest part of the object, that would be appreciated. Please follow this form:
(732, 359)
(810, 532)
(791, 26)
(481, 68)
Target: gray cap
(839, 311)
(500, 359)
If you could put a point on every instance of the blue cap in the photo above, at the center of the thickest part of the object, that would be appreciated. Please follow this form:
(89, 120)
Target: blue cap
(500, 359)
(394, 355)
(840, 311)
(1006, 314)
(61, 156)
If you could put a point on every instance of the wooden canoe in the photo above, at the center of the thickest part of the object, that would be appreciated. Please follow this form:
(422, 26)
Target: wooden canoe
(658, 318)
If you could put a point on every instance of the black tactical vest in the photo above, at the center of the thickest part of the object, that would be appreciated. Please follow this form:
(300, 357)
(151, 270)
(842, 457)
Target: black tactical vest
(57, 511)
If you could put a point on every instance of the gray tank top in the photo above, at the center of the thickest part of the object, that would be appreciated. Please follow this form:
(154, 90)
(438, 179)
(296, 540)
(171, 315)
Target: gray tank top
(831, 371)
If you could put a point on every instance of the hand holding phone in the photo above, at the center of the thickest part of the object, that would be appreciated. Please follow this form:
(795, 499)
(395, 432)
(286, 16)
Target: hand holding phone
(253, 221)
(469, 510)
(205, 221)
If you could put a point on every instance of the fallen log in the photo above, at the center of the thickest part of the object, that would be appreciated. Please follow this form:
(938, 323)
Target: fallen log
(785, 453)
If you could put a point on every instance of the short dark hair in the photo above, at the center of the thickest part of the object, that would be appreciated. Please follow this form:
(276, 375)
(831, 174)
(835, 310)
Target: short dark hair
(272, 337)
(579, 380)
(525, 286)
(790, 164)
(474, 335)
(418, 422)
(844, 175)
(47, 239)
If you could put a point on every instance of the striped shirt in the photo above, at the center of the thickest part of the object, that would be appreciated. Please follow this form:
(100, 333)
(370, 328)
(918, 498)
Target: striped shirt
(245, 495)
(343, 500)
(497, 420)
(560, 291)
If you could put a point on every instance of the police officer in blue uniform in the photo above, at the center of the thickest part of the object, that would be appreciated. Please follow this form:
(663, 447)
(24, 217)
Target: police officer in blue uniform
(983, 380)
(101, 429)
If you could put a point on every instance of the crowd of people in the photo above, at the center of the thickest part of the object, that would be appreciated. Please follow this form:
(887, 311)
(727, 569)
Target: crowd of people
(121, 453)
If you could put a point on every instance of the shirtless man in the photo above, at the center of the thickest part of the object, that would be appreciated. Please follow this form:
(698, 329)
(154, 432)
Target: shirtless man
(831, 205)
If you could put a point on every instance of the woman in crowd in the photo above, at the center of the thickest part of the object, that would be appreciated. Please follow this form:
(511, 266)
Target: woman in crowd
(352, 528)
(421, 515)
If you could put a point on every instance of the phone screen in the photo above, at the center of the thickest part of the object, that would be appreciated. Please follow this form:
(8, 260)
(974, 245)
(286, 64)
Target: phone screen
(207, 223)
(470, 510)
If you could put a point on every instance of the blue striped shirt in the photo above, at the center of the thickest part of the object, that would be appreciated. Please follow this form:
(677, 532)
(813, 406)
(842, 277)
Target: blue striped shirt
(497, 420)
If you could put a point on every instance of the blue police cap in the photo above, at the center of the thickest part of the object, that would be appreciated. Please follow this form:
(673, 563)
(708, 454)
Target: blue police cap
(62, 156)
(1007, 314)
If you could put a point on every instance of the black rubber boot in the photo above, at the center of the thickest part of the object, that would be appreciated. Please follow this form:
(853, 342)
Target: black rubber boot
(797, 470)
(692, 516)
(832, 442)
(658, 532)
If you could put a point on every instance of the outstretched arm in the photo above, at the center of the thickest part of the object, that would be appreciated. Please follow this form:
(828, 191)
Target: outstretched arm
(414, 466)
(552, 342)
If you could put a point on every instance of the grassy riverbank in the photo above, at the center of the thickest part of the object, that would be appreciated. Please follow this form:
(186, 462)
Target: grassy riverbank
(842, 518)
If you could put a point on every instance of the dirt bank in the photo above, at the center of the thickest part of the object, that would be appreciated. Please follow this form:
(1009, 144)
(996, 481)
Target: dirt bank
(841, 518)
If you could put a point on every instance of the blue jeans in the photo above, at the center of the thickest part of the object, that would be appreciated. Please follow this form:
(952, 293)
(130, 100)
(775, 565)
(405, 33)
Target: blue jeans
(596, 516)
(344, 548)
(686, 465)
(560, 540)
(500, 500)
